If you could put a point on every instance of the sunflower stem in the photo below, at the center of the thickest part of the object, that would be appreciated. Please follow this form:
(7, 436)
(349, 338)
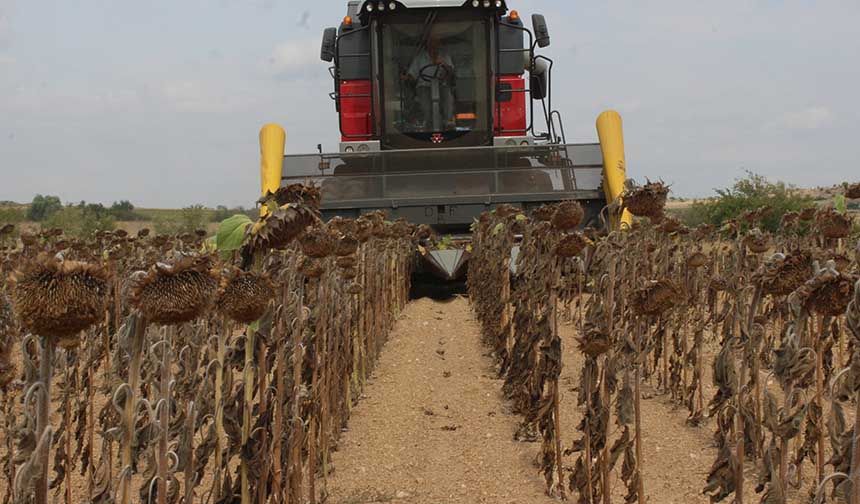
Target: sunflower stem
(129, 413)
(43, 419)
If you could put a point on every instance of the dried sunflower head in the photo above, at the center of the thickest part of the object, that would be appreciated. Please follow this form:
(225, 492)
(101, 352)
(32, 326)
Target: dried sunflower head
(363, 229)
(655, 297)
(318, 242)
(717, 284)
(567, 215)
(594, 343)
(754, 216)
(646, 201)
(828, 292)
(244, 295)
(278, 228)
(570, 245)
(58, 299)
(341, 225)
(852, 191)
(401, 228)
(312, 268)
(296, 194)
(807, 214)
(703, 231)
(506, 210)
(543, 213)
(669, 225)
(842, 261)
(757, 241)
(781, 274)
(790, 219)
(175, 293)
(424, 232)
(696, 260)
(347, 245)
(832, 224)
(29, 240)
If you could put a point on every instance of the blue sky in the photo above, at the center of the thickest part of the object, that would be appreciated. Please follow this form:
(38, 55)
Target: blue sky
(160, 102)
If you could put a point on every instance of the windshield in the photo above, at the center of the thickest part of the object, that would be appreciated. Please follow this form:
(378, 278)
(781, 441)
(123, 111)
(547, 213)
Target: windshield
(435, 75)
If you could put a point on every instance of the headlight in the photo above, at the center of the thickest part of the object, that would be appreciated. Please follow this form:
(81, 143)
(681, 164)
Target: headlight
(381, 6)
(524, 142)
(486, 3)
(475, 3)
(369, 7)
(498, 4)
(510, 142)
(392, 6)
(348, 148)
(363, 148)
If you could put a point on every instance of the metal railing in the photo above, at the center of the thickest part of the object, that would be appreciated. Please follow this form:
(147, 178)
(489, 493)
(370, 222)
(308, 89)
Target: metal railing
(479, 174)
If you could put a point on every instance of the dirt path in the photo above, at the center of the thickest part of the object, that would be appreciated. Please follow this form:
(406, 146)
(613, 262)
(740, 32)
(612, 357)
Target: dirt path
(434, 427)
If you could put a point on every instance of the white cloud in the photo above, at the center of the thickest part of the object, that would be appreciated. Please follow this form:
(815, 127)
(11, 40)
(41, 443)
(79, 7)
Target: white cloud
(809, 118)
(295, 58)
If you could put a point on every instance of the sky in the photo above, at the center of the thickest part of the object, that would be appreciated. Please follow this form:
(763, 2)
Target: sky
(160, 101)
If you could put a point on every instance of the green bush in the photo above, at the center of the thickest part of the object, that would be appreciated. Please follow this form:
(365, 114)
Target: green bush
(189, 219)
(165, 225)
(81, 220)
(124, 211)
(43, 207)
(223, 213)
(11, 215)
(749, 193)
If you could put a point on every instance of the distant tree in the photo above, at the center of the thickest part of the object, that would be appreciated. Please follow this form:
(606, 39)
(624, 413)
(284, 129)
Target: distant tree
(749, 193)
(43, 207)
(123, 210)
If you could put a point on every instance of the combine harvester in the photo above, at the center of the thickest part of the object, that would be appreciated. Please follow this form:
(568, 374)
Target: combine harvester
(437, 104)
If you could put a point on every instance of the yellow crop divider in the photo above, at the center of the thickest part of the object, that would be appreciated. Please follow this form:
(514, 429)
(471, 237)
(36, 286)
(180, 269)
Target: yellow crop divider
(611, 135)
(273, 139)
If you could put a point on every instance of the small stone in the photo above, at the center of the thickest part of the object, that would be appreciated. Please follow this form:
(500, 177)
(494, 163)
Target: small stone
(402, 495)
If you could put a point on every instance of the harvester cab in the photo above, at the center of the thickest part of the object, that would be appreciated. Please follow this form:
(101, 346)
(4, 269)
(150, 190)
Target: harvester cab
(445, 111)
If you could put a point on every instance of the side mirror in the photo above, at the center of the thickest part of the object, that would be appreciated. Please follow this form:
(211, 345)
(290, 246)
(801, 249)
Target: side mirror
(538, 86)
(539, 79)
(541, 30)
(329, 41)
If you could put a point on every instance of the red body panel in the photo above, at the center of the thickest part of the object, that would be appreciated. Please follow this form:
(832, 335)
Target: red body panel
(510, 117)
(355, 110)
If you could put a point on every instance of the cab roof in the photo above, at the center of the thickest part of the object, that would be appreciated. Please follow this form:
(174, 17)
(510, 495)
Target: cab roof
(427, 4)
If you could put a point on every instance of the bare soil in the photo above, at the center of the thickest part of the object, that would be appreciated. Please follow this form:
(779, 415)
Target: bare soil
(434, 427)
